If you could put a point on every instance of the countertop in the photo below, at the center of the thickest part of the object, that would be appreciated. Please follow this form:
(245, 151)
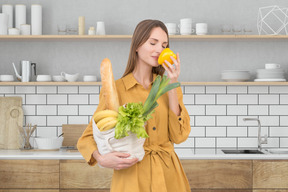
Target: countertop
(64, 154)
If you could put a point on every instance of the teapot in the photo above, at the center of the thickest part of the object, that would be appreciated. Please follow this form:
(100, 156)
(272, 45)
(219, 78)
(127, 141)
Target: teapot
(25, 71)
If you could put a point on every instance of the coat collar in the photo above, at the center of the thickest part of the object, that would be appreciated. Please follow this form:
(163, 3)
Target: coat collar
(130, 81)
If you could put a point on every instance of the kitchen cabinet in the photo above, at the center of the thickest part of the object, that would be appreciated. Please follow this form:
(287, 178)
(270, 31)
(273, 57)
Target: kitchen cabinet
(270, 174)
(226, 175)
(29, 174)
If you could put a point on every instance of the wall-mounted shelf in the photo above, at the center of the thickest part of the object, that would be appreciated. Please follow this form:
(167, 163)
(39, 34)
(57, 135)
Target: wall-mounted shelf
(99, 83)
(58, 37)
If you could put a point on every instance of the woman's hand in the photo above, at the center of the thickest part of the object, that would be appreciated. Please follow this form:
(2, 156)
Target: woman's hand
(114, 160)
(173, 72)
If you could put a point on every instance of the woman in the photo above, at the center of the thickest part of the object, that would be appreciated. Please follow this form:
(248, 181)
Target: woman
(160, 170)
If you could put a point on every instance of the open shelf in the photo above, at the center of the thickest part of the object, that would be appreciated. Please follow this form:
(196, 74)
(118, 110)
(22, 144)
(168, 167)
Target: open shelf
(78, 83)
(43, 37)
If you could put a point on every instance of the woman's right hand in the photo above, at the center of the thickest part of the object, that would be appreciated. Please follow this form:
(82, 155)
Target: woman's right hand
(114, 160)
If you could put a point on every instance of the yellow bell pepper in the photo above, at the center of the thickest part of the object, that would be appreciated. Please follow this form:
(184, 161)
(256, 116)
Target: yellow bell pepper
(165, 55)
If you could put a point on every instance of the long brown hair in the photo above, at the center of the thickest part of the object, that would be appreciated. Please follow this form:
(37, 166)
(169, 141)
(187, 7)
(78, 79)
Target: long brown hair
(141, 34)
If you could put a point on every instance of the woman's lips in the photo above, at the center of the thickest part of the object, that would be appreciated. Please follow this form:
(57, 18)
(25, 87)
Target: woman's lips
(155, 57)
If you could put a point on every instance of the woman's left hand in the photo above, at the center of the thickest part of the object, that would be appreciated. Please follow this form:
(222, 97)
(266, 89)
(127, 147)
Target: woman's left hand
(173, 72)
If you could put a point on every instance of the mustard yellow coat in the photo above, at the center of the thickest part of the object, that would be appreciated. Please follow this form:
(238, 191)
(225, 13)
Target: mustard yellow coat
(160, 170)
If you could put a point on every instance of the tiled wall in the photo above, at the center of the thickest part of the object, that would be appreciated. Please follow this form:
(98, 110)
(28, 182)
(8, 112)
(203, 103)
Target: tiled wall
(216, 113)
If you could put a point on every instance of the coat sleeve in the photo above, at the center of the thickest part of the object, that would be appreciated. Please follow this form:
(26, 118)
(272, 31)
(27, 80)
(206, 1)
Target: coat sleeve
(179, 126)
(86, 143)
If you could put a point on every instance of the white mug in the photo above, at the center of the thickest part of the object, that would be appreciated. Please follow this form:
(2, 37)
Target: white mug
(172, 28)
(13, 31)
(272, 66)
(186, 29)
(100, 28)
(201, 28)
(25, 29)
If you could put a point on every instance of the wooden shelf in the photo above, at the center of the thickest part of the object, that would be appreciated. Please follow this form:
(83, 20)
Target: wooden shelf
(58, 37)
(99, 83)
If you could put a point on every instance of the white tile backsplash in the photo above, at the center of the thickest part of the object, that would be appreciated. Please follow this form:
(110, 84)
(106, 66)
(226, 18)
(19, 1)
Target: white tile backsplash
(6, 89)
(215, 110)
(78, 99)
(247, 99)
(283, 99)
(87, 109)
(194, 89)
(268, 99)
(46, 110)
(88, 89)
(78, 120)
(216, 113)
(56, 120)
(204, 99)
(68, 89)
(25, 89)
(226, 99)
(36, 99)
(236, 89)
(68, 110)
(258, 110)
(258, 89)
(46, 89)
(57, 99)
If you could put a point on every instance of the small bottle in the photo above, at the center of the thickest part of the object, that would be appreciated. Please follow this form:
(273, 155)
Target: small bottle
(91, 31)
(81, 25)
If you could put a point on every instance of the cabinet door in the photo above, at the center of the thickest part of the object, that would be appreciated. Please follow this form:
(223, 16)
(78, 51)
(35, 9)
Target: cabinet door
(218, 174)
(77, 174)
(29, 190)
(28, 174)
(272, 174)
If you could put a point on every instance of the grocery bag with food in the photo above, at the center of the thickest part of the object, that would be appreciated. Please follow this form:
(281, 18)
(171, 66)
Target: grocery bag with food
(122, 128)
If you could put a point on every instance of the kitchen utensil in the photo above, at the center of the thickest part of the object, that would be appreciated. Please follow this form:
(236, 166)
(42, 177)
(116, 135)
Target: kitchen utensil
(49, 142)
(61, 135)
(70, 77)
(201, 28)
(36, 19)
(100, 30)
(72, 133)
(89, 78)
(43, 78)
(58, 78)
(26, 133)
(11, 116)
(25, 71)
(6, 78)
(62, 29)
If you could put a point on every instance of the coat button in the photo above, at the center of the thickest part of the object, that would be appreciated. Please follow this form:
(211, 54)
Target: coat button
(154, 128)
(179, 119)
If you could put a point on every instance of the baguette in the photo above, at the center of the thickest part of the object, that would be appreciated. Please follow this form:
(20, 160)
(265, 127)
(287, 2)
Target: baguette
(108, 85)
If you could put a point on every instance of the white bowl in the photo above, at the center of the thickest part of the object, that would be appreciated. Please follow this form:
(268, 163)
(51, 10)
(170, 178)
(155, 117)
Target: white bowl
(43, 78)
(6, 78)
(49, 142)
(235, 75)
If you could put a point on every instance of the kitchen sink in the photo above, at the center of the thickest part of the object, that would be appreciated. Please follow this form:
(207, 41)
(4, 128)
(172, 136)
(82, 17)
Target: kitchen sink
(278, 151)
(243, 151)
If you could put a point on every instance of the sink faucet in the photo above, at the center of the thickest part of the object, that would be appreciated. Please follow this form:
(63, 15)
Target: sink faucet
(261, 140)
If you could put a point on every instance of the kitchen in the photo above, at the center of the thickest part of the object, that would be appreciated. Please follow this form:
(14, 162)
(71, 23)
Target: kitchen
(216, 107)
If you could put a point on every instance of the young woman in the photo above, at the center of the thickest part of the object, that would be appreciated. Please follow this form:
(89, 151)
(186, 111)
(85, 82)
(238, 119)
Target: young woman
(160, 170)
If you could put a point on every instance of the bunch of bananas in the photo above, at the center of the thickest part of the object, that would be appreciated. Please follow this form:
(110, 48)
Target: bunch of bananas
(105, 119)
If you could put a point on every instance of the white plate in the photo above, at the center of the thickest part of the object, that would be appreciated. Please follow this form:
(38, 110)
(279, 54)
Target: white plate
(269, 79)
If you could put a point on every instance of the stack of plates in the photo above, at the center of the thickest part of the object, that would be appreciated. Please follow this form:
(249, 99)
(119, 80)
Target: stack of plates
(270, 75)
(235, 75)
